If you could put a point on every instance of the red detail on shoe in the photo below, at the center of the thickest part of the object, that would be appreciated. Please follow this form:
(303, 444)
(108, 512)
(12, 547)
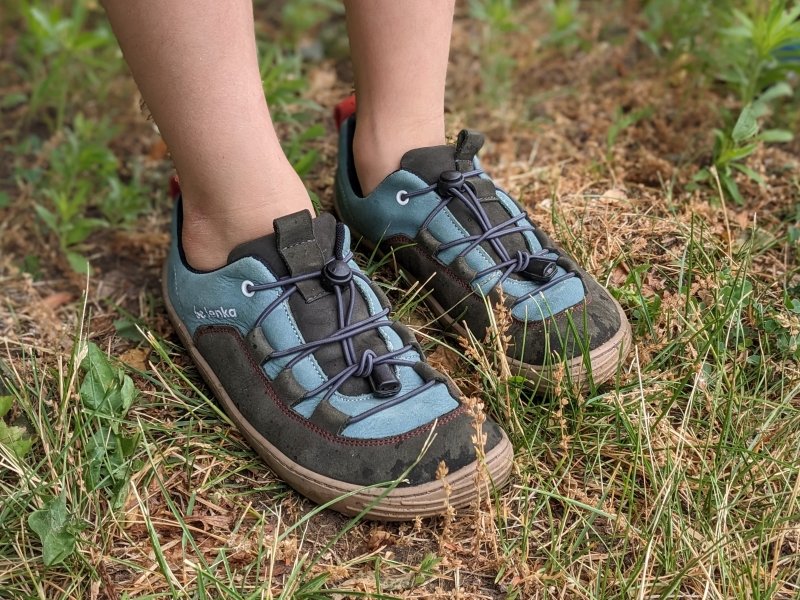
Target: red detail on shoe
(174, 187)
(343, 110)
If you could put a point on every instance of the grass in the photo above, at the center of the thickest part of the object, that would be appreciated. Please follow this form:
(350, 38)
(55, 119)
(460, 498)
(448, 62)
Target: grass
(120, 477)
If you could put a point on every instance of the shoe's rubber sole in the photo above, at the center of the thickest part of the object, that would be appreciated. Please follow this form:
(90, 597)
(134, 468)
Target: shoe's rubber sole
(400, 504)
(604, 360)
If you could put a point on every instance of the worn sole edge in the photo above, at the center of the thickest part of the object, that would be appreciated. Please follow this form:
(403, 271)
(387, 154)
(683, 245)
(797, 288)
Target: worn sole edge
(400, 504)
(604, 360)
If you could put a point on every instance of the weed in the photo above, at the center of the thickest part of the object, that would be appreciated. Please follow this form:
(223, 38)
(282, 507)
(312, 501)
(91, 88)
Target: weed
(731, 148)
(13, 437)
(755, 58)
(54, 526)
(66, 59)
(498, 20)
(644, 309)
(753, 51)
(676, 27)
(81, 175)
(107, 394)
(756, 50)
(566, 22)
(623, 120)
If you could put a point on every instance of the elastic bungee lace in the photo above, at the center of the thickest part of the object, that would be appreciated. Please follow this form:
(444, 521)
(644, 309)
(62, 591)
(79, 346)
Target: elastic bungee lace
(347, 330)
(509, 264)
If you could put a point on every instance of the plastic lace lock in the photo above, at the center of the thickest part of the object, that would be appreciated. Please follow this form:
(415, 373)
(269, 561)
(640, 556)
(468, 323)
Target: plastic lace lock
(449, 180)
(541, 270)
(383, 381)
(336, 273)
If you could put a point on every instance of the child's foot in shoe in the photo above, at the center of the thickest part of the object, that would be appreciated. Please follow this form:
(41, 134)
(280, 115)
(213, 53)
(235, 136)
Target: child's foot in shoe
(295, 342)
(448, 224)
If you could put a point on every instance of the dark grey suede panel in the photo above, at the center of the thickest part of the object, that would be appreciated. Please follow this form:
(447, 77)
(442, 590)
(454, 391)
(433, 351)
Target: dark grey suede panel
(429, 163)
(360, 462)
(594, 321)
(483, 188)
(259, 346)
(468, 144)
(301, 251)
(265, 248)
(461, 267)
(427, 239)
(329, 418)
(288, 388)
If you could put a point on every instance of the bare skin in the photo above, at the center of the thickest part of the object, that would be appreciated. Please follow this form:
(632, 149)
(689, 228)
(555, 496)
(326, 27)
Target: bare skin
(196, 65)
(400, 52)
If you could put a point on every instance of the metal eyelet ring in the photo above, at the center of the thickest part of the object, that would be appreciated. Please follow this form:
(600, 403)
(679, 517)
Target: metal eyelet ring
(247, 289)
(402, 197)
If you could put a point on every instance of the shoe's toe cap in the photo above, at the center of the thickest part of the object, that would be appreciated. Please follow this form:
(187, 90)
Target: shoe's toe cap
(572, 333)
(453, 443)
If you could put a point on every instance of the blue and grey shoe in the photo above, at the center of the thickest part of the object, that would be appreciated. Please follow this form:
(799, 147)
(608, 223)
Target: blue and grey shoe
(448, 225)
(296, 344)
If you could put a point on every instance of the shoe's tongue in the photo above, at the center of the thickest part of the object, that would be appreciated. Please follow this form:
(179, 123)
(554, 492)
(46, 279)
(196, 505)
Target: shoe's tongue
(299, 245)
(429, 163)
(302, 245)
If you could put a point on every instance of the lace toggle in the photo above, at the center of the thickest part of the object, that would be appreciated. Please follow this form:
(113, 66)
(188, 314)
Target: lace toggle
(449, 180)
(337, 273)
(381, 378)
(536, 268)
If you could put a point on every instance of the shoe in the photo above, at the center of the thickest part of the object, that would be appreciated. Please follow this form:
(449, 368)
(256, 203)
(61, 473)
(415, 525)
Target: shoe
(450, 227)
(296, 344)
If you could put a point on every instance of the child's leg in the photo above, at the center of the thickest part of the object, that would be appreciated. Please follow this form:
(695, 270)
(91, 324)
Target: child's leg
(196, 66)
(400, 54)
(289, 334)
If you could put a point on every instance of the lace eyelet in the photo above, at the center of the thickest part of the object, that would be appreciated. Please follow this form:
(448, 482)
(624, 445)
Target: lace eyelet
(247, 289)
(402, 197)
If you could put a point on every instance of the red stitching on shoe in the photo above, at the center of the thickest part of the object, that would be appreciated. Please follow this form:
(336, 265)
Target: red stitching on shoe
(302, 420)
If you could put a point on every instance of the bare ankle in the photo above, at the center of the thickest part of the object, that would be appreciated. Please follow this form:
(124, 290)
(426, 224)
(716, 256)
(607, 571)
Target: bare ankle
(210, 231)
(378, 148)
(203, 248)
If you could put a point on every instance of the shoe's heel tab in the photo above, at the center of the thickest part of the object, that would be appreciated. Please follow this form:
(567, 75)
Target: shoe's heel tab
(344, 110)
(174, 188)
